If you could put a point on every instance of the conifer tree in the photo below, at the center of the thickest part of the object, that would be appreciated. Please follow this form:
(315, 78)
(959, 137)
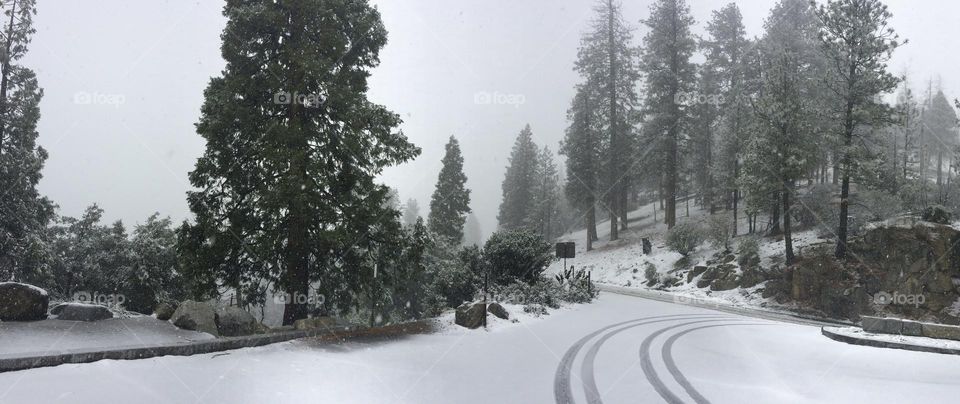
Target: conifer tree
(450, 203)
(582, 146)
(285, 191)
(519, 182)
(665, 60)
(411, 212)
(24, 213)
(858, 42)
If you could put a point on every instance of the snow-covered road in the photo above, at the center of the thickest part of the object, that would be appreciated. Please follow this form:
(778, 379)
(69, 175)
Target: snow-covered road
(617, 350)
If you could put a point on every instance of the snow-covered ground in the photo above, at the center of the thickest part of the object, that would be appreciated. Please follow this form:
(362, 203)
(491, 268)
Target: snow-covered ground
(53, 336)
(725, 358)
(622, 262)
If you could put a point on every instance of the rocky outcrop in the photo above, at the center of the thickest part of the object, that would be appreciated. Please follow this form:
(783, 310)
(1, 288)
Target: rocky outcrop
(905, 267)
(22, 302)
(196, 316)
(81, 312)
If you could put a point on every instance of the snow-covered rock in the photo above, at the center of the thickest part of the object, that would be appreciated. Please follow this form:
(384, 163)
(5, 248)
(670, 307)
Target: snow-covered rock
(164, 311)
(22, 302)
(470, 315)
(234, 321)
(497, 310)
(196, 316)
(81, 312)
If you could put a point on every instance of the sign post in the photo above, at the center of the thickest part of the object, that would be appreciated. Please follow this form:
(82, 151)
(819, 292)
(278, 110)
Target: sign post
(567, 249)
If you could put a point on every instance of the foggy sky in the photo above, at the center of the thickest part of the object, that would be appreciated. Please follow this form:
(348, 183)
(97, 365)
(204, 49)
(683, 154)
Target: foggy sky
(123, 83)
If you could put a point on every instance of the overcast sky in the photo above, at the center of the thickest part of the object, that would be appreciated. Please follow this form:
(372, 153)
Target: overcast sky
(123, 83)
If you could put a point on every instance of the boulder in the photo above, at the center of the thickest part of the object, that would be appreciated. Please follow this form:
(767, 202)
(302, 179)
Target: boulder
(470, 315)
(196, 316)
(497, 310)
(234, 321)
(22, 302)
(314, 323)
(81, 312)
(165, 310)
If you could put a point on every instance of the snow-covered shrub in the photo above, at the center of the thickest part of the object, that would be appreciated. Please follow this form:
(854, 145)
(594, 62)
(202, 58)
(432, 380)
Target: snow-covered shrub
(748, 251)
(817, 209)
(719, 230)
(650, 273)
(517, 255)
(684, 238)
(546, 292)
(874, 205)
(936, 214)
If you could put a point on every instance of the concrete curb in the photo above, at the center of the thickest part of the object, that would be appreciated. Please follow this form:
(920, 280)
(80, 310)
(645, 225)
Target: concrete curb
(23, 361)
(748, 312)
(887, 344)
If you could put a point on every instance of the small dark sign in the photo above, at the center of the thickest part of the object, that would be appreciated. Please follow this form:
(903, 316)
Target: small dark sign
(567, 250)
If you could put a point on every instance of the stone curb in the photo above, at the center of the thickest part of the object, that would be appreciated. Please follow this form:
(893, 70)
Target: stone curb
(886, 344)
(23, 361)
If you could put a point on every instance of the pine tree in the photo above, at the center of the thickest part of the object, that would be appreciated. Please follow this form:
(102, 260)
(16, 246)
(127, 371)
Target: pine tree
(667, 49)
(858, 42)
(451, 199)
(719, 83)
(411, 212)
(519, 182)
(472, 232)
(154, 275)
(545, 213)
(607, 62)
(940, 122)
(582, 146)
(24, 213)
(783, 147)
(286, 192)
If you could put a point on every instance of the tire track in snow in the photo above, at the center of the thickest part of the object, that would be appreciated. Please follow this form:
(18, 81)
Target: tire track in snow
(562, 390)
(647, 365)
(587, 368)
(667, 354)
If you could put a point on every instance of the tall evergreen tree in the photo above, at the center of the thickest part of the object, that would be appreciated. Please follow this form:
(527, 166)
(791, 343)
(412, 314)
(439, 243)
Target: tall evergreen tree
(519, 182)
(24, 213)
(783, 147)
(582, 146)
(285, 189)
(667, 49)
(720, 82)
(607, 62)
(940, 122)
(411, 212)
(472, 232)
(858, 42)
(545, 213)
(450, 203)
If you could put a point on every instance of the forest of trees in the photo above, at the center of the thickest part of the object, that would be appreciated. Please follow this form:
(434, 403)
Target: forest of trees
(791, 125)
(756, 125)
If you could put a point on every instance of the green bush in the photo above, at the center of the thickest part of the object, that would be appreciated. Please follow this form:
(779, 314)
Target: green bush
(719, 230)
(650, 274)
(684, 238)
(517, 255)
(936, 214)
(748, 252)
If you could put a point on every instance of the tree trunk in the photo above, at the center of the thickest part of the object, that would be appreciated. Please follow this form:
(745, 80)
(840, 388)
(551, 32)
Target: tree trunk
(787, 231)
(775, 216)
(591, 226)
(841, 252)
